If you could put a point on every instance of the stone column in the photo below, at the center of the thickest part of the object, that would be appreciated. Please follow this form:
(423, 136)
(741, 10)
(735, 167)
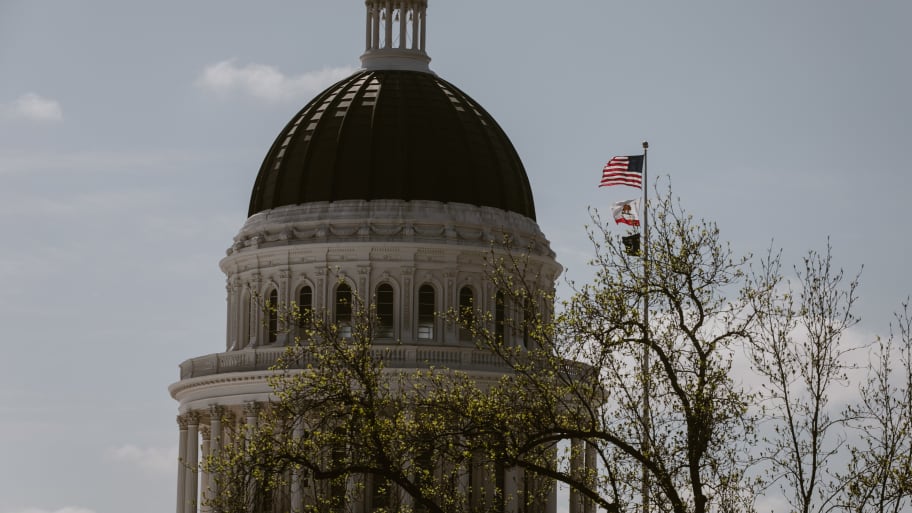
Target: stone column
(251, 409)
(406, 501)
(464, 483)
(414, 11)
(421, 45)
(403, 23)
(191, 483)
(215, 444)
(476, 483)
(204, 473)
(375, 24)
(551, 503)
(576, 471)
(513, 500)
(297, 475)
(591, 467)
(181, 463)
(256, 311)
(229, 301)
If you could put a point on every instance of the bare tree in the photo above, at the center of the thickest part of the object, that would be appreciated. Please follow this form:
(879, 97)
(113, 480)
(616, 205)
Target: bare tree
(879, 478)
(799, 348)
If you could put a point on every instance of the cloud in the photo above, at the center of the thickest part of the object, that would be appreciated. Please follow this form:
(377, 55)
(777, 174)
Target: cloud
(154, 460)
(265, 82)
(65, 509)
(33, 107)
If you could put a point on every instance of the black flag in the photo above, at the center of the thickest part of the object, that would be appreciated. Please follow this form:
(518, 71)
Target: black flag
(632, 244)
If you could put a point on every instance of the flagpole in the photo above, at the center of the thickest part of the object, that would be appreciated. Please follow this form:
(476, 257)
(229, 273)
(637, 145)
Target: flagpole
(644, 362)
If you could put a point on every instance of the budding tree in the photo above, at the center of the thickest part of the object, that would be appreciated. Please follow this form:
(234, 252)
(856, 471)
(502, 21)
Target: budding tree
(582, 376)
(800, 350)
(879, 477)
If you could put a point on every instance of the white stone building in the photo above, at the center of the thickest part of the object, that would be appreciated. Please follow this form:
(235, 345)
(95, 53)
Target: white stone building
(391, 183)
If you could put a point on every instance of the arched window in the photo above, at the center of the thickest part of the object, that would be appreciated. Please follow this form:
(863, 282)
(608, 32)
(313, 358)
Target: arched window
(385, 310)
(466, 313)
(272, 313)
(499, 314)
(529, 321)
(244, 324)
(305, 306)
(344, 309)
(426, 310)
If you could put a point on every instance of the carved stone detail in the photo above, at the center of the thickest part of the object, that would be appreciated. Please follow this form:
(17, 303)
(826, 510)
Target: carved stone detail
(193, 418)
(251, 409)
(389, 220)
(216, 412)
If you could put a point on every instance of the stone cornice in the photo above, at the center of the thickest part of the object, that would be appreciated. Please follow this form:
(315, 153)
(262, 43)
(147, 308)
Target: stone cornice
(388, 221)
(262, 378)
(220, 379)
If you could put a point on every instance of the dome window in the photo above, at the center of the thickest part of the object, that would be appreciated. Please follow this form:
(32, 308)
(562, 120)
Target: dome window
(426, 310)
(528, 321)
(385, 309)
(466, 313)
(344, 310)
(305, 306)
(499, 314)
(272, 322)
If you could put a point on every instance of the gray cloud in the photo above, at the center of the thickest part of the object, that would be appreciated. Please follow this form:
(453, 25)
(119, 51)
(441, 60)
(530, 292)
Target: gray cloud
(33, 107)
(265, 82)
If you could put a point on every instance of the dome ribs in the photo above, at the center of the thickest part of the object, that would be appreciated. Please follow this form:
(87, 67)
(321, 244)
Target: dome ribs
(393, 134)
(353, 135)
(320, 165)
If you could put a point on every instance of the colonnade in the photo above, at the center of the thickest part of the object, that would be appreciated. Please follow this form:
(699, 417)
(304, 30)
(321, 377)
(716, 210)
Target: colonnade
(583, 465)
(203, 433)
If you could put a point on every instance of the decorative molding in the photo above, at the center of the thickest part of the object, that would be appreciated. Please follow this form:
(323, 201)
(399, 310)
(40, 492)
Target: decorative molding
(193, 418)
(387, 221)
(251, 409)
(216, 412)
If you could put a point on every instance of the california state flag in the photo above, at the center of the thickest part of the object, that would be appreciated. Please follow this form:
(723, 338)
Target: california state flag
(627, 212)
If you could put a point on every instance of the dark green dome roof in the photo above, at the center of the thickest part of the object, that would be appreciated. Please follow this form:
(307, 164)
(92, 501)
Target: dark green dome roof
(393, 134)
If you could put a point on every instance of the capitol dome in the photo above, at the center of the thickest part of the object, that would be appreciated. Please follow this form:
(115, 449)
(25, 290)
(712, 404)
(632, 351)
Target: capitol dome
(393, 134)
(396, 188)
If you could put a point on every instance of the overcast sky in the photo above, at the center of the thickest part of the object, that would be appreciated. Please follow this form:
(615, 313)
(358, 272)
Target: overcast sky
(131, 134)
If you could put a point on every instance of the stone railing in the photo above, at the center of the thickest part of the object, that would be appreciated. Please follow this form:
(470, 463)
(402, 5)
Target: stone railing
(392, 356)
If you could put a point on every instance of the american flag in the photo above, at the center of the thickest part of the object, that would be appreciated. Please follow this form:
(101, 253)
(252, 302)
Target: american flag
(623, 171)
